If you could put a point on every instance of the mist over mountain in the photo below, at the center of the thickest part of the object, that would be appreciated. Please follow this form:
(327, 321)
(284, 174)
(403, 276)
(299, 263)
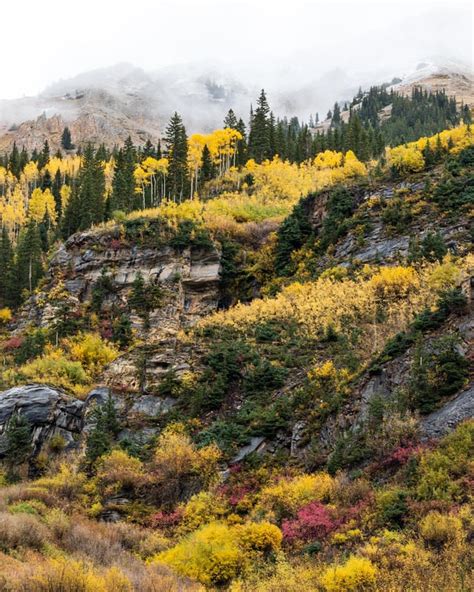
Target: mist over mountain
(107, 104)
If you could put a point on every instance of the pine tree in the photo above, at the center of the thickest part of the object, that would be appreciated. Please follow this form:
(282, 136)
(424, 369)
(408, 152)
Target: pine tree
(66, 139)
(177, 147)
(56, 191)
(123, 196)
(105, 430)
(18, 439)
(336, 116)
(29, 268)
(7, 276)
(14, 163)
(230, 120)
(87, 203)
(241, 156)
(207, 167)
(44, 155)
(259, 136)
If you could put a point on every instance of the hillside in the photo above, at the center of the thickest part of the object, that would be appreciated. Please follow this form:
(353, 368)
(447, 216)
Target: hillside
(265, 386)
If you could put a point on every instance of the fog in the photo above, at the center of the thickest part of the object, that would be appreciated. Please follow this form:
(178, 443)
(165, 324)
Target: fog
(269, 43)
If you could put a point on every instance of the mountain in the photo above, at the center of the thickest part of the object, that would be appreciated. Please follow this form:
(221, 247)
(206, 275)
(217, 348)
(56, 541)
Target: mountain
(454, 77)
(109, 104)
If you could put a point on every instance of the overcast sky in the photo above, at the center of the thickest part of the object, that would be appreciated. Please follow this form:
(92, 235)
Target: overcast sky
(45, 41)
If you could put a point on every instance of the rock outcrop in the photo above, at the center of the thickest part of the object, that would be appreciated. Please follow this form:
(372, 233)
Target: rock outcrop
(49, 412)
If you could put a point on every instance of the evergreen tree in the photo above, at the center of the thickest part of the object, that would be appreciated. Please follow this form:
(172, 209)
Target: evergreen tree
(87, 203)
(18, 439)
(44, 155)
(14, 163)
(336, 116)
(230, 120)
(56, 191)
(177, 147)
(123, 195)
(29, 267)
(207, 167)
(7, 276)
(66, 139)
(259, 136)
(105, 430)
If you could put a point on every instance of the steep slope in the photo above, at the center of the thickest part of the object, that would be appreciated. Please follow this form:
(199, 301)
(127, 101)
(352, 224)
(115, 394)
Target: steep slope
(317, 436)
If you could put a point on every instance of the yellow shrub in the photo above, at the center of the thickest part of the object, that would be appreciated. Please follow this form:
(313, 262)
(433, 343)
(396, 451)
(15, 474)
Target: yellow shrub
(356, 575)
(66, 483)
(176, 455)
(5, 316)
(210, 555)
(55, 368)
(201, 508)
(217, 552)
(120, 469)
(438, 529)
(287, 496)
(261, 537)
(91, 351)
(71, 575)
(394, 282)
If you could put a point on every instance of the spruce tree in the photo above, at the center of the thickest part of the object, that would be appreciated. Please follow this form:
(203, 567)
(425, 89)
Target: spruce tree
(230, 120)
(123, 196)
(29, 267)
(207, 167)
(259, 136)
(14, 163)
(18, 437)
(7, 275)
(44, 155)
(177, 147)
(66, 139)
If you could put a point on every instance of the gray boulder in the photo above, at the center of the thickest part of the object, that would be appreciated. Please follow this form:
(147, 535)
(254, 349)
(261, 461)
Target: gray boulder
(48, 410)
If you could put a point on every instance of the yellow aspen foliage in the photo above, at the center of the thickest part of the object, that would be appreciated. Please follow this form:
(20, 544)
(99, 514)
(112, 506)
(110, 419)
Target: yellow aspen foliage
(405, 159)
(13, 211)
(65, 193)
(40, 204)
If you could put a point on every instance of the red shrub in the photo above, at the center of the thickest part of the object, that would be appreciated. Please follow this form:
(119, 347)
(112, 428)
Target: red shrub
(115, 244)
(314, 521)
(165, 520)
(13, 343)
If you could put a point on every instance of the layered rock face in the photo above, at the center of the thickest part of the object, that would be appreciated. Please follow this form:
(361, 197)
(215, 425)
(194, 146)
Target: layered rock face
(49, 412)
(189, 279)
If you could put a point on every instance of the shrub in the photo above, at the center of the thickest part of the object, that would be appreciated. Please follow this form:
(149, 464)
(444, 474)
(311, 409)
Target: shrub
(210, 555)
(314, 521)
(217, 553)
(201, 508)
(179, 467)
(5, 316)
(91, 351)
(74, 576)
(67, 482)
(356, 575)
(21, 530)
(258, 537)
(288, 495)
(439, 529)
(440, 471)
(391, 506)
(118, 470)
